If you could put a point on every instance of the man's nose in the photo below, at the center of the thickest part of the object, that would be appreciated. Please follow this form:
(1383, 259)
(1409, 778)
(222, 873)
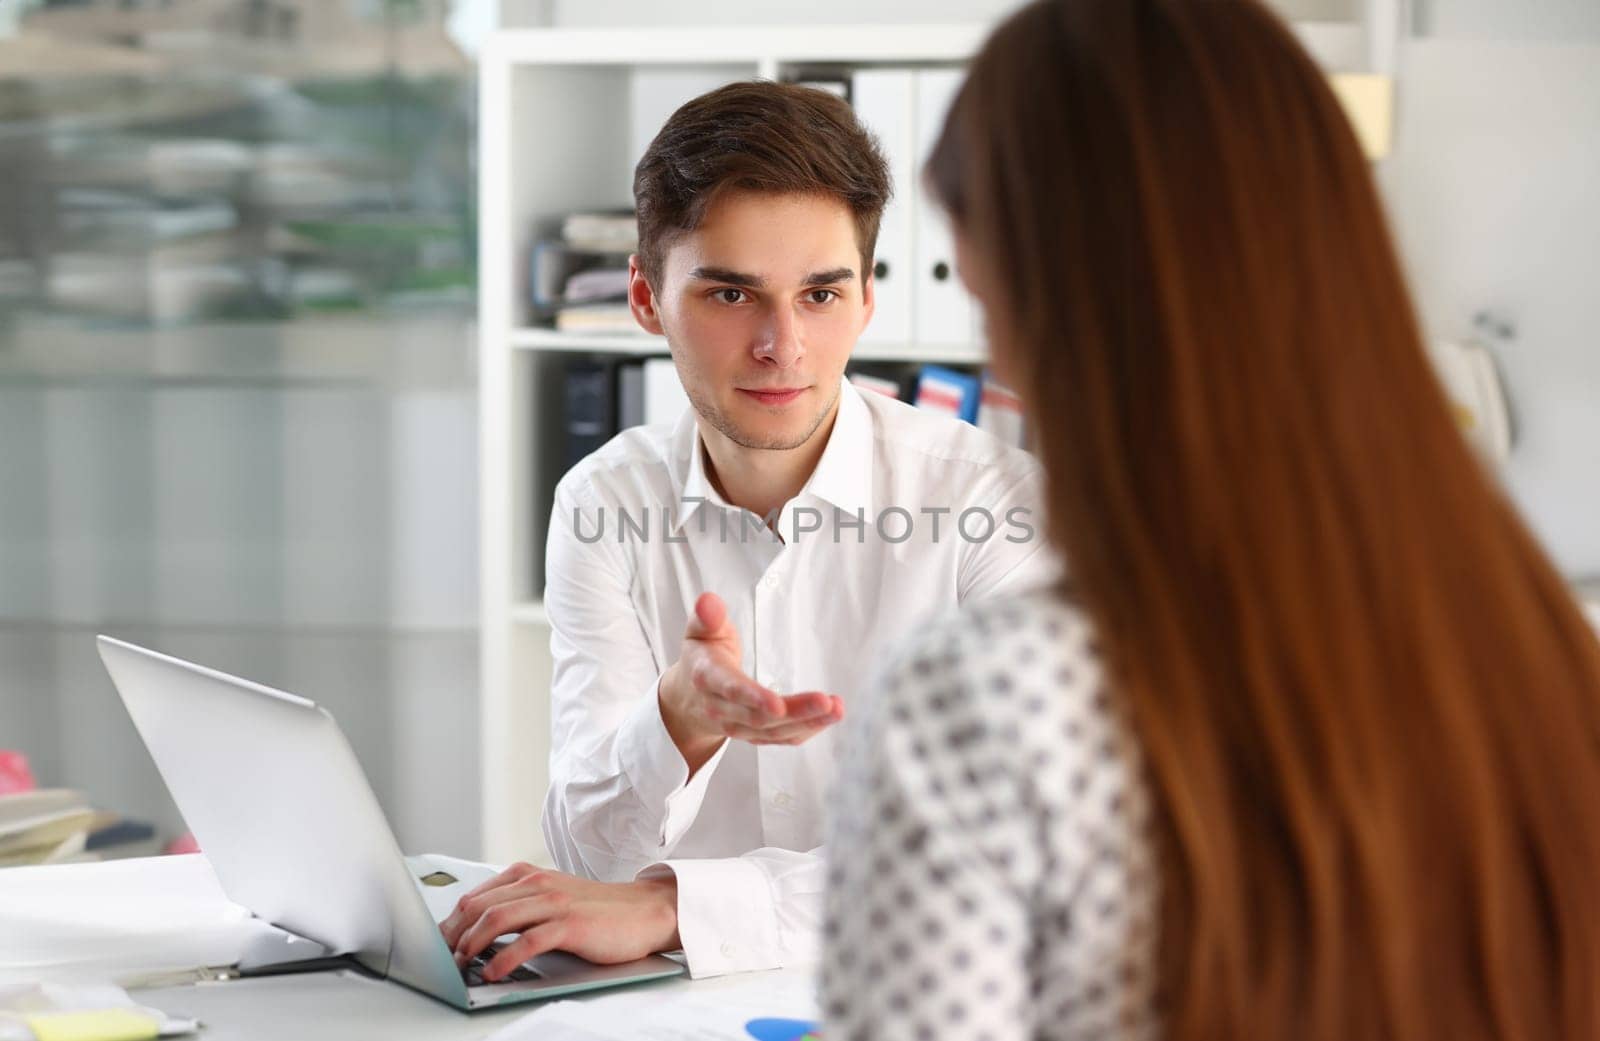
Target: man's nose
(779, 342)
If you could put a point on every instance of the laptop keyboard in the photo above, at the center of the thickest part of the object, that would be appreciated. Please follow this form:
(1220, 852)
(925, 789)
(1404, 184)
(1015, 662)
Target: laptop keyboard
(472, 972)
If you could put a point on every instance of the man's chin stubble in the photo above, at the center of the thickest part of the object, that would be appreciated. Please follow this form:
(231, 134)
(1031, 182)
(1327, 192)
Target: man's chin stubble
(744, 440)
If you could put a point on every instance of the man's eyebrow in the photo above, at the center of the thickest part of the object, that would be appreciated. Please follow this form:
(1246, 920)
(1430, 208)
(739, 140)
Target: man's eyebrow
(733, 278)
(739, 278)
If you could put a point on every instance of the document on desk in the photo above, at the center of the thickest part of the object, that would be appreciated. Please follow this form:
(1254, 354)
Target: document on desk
(121, 919)
(754, 1006)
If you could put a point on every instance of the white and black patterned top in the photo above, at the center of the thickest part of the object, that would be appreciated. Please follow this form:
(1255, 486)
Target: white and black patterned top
(991, 862)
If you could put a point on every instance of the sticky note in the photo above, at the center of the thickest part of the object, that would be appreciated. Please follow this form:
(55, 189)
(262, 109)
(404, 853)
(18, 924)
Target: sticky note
(106, 1024)
(1368, 101)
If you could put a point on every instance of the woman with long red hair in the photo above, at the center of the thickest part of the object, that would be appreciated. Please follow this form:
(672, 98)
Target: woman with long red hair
(1308, 746)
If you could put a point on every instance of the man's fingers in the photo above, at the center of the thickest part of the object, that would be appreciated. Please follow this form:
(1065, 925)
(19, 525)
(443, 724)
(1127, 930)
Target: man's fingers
(524, 881)
(509, 917)
(541, 939)
(458, 920)
(812, 703)
(799, 708)
(787, 734)
(718, 680)
(709, 616)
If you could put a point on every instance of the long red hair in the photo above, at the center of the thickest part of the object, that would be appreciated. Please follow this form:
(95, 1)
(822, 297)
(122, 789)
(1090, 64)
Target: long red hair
(1370, 705)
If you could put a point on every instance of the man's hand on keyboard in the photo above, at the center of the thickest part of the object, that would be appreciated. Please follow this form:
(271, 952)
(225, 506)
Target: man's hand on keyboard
(605, 922)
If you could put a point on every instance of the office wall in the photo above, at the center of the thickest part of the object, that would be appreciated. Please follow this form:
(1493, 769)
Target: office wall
(1492, 191)
(317, 538)
(1558, 21)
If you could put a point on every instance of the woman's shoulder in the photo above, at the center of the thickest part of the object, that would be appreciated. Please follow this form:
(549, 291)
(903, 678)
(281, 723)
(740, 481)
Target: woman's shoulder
(1015, 686)
(1036, 641)
(1018, 679)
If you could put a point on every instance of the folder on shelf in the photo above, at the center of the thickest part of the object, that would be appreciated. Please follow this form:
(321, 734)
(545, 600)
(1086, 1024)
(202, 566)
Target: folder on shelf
(884, 103)
(589, 400)
(664, 399)
(948, 392)
(878, 384)
(1000, 413)
(943, 311)
(630, 394)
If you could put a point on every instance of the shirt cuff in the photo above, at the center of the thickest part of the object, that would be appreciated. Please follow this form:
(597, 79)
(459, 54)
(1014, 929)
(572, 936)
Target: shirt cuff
(656, 771)
(727, 921)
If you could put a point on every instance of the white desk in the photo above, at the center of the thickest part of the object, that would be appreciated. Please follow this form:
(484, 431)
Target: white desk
(119, 920)
(337, 1006)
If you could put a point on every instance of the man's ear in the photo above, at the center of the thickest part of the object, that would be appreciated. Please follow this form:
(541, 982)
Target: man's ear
(642, 298)
(869, 295)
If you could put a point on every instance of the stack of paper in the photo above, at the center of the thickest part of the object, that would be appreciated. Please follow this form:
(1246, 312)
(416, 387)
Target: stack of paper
(125, 920)
(45, 826)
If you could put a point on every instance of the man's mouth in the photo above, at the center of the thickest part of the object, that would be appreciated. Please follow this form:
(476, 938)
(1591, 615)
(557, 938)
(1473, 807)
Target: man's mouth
(777, 396)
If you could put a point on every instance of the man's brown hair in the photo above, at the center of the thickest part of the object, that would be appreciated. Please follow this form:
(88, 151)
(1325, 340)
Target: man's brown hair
(758, 136)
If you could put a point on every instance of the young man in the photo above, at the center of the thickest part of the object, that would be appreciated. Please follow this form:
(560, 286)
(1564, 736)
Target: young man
(719, 590)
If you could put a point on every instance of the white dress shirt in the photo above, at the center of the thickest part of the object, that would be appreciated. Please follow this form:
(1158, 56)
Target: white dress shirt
(638, 533)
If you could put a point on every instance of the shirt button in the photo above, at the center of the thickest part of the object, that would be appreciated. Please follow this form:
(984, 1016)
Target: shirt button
(727, 950)
(783, 800)
(769, 580)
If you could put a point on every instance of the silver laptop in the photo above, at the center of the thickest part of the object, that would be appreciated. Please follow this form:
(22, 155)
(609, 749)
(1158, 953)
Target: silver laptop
(278, 802)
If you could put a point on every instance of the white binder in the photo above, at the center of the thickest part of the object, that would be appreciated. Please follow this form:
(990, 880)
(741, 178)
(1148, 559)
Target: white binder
(884, 101)
(943, 311)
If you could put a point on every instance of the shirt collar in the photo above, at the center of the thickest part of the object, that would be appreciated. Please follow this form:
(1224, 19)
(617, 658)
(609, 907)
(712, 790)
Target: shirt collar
(842, 478)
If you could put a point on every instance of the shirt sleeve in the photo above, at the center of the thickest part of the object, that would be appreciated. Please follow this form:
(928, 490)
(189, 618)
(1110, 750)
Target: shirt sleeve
(742, 914)
(620, 794)
(1016, 559)
(926, 916)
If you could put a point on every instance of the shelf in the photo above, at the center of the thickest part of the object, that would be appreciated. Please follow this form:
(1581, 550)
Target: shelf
(661, 45)
(394, 351)
(1339, 45)
(598, 343)
(641, 343)
(530, 612)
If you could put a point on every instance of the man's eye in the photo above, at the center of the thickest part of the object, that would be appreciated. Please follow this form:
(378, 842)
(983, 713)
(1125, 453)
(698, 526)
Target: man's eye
(823, 296)
(729, 296)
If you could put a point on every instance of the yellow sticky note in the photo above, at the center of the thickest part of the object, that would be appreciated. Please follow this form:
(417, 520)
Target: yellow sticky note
(106, 1024)
(1368, 101)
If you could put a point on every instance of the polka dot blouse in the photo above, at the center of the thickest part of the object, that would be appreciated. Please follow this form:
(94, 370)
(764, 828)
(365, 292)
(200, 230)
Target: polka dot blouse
(991, 872)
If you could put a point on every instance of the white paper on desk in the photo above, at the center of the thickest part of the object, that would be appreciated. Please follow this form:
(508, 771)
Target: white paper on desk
(118, 919)
(719, 1009)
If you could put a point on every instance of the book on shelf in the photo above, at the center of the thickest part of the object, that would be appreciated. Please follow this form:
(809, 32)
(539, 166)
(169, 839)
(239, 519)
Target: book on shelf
(594, 285)
(561, 274)
(596, 318)
(608, 230)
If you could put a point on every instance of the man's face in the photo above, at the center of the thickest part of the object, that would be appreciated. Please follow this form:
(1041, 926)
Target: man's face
(761, 305)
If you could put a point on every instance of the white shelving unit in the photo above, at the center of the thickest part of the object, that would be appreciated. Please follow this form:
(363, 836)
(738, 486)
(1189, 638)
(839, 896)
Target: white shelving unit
(564, 117)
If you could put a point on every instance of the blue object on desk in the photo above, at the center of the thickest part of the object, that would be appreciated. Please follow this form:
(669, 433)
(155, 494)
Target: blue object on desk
(781, 1030)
